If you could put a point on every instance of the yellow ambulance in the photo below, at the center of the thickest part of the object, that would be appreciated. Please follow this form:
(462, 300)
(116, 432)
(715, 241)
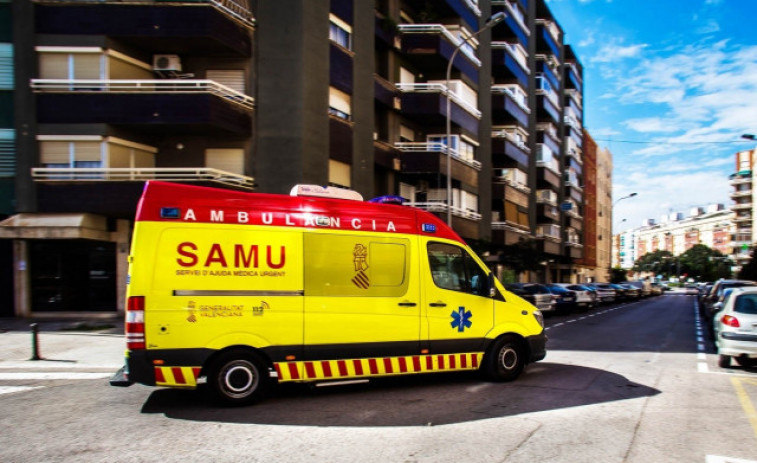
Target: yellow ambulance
(248, 289)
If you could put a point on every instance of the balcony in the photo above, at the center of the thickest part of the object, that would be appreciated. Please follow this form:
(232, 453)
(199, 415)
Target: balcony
(741, 238)
(504, 144)
(431, 158)
(514, 60)
(546, 197)
(550, 231)
(514, 193)
(547, 211)
(509, 232)
(574, 80)
(576, 96)
(742, 219)
(514, 24)
(544, 69)
(741, 194)
(741, 206)
(427, 103)
(200, 27)
(464, 221)
(508, 104)
(467, 10)
(175, 105)
(513, 177)
(431, 46)
(548, 37)
(741, 178)
(547, 104)
(386, 92)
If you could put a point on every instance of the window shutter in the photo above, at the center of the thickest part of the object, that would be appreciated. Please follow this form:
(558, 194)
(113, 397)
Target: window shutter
(340, 101)
(53, 66)
(228, 160)
(88, 151)
(87, 66)
(339, 173)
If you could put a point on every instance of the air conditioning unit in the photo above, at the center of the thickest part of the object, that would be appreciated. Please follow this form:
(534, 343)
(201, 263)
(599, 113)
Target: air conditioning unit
(166, 63)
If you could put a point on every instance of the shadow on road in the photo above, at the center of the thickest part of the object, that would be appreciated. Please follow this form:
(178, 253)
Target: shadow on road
(420, 400)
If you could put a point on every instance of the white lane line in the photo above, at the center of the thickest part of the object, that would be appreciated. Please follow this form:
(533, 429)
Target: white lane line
(12, 389)
(20, 376)
(719, 459)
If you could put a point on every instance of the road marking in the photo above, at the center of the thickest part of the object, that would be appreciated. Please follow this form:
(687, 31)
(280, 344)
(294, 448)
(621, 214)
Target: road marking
(12, 389)
(718, 459)
(16, 376)
(746, 403)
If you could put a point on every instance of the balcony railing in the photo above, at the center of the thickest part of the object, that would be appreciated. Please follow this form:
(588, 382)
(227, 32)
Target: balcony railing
(512, 227)
(473, 5)
(514, 13)
(439, 88)
(435, 147)
(512, 90)
(504, 133)
(176, 86)
(516, 51)
(126, 174)
(548, 231)
(741, 206)
(741, 194)
(441, 206)
(516, 178)
(233, 8)
(439, 29)
(546, 197)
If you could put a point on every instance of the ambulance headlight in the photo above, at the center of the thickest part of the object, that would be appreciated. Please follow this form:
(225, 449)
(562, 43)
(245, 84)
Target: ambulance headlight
(539, 317)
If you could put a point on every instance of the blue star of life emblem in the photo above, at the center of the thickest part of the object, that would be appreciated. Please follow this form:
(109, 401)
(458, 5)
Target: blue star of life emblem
(461, 319)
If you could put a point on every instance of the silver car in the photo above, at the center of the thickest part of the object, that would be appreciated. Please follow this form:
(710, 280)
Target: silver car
(736, 328)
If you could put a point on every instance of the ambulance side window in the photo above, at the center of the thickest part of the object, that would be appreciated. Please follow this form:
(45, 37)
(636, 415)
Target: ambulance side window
(454, 269)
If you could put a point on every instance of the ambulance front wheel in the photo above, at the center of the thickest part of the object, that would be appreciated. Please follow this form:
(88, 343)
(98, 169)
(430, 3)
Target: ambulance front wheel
(506, 360)
(238, 378)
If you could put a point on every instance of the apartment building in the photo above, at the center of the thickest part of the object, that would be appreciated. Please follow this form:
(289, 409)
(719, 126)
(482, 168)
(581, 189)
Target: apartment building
(604, 214)
(260, 96)
(743, 196)
(711, 226)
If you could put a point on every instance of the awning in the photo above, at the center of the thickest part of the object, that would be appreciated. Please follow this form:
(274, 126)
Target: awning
(55, 226)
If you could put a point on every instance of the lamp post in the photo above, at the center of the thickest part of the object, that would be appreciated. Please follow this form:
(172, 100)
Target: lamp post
(495, 19)
(624, 197)
(749, 136)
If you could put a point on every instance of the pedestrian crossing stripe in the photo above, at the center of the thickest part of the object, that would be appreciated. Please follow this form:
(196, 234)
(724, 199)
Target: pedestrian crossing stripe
(380, 366)
(13, 389)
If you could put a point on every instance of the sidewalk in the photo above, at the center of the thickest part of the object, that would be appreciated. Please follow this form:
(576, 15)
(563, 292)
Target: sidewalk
(63, 344)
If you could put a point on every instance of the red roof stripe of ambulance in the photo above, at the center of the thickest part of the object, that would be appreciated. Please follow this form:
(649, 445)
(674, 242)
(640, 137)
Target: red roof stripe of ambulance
(214, 205)
(354, 368)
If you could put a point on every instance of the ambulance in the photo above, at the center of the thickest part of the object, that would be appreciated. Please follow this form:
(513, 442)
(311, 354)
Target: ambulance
(245, 290)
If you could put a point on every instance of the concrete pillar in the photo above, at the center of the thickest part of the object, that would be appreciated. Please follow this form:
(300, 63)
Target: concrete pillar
(121, 238)
(21, 279)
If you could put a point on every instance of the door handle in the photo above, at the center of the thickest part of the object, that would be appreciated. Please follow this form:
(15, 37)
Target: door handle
(407, 304)
(438, 304)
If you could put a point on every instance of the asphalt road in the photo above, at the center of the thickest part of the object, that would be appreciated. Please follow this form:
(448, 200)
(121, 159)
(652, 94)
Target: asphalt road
(632, 382)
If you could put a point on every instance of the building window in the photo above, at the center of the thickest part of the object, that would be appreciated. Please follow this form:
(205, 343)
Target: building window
(227, 159)
(340, 104)
(340, 174)
(340, 32)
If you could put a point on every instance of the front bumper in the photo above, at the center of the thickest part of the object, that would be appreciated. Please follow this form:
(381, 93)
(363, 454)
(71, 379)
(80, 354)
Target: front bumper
(537, 346)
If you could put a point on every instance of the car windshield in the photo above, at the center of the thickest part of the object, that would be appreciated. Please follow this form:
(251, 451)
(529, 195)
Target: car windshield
(746, 304)
(557, 289)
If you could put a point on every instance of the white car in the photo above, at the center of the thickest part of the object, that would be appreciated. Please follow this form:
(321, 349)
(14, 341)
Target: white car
(736, 328)
(585, 298)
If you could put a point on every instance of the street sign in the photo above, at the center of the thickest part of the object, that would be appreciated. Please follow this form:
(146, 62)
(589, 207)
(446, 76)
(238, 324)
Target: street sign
(566, 206)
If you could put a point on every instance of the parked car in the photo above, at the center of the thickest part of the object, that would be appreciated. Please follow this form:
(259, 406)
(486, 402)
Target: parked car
(644, 287)
(632, 293)
(657, 288)
(605, 292)
(736, 328)
(586, 297)
(707, 308)
(564, 300)
(621, 293)
(536, 294)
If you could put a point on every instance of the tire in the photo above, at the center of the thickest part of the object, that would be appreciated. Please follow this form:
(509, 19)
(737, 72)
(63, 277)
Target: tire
(239, 378)
(724, 361)
(505, 360)
(746, 362)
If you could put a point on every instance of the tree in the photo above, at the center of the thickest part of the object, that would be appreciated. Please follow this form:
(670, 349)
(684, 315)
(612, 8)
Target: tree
(657, 262)
(618, 275)
(704, 264)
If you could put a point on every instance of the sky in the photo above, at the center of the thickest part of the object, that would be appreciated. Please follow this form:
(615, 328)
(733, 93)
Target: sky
(669, 88)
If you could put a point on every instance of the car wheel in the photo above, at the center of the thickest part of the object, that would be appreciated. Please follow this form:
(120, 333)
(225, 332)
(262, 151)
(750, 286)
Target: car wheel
(238, 378)
(747, 362)
(506, 360)
(724, 361)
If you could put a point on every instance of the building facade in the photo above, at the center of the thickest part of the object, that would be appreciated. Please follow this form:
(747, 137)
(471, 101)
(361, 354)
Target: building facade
(604, 214)
(712, 226)
(743, 196)
(260, 95)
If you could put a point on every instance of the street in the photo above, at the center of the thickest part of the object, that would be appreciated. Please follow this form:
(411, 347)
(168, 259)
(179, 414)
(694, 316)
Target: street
(628, 382)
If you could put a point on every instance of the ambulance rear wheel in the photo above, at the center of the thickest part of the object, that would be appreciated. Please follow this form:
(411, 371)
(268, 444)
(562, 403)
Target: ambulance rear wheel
(506, 360)
(238, 378)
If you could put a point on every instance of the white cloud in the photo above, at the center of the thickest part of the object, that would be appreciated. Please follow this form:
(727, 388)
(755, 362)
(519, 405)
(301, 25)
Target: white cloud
(613, 52)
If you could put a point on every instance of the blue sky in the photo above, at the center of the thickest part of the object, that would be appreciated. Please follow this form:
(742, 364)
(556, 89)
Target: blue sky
(679, 79)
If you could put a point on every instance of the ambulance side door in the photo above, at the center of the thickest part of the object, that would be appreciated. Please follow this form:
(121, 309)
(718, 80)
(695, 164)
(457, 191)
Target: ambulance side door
(362, 296)
(459, 310)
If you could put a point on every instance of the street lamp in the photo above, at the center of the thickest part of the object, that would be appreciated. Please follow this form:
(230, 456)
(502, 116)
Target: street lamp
(495, 19)
(749, 136)
(624, 197)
